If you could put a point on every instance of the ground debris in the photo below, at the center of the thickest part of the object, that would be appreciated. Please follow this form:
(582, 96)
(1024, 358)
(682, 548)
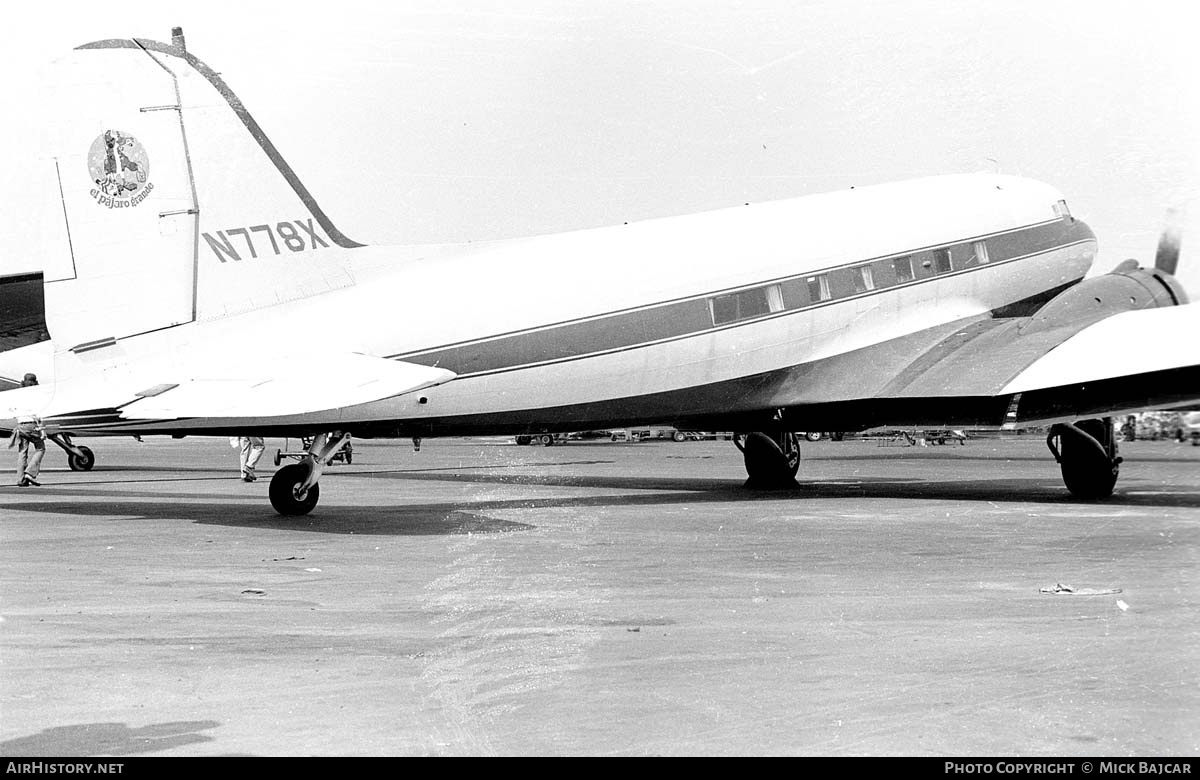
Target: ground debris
(254, 592)
(1069, 590)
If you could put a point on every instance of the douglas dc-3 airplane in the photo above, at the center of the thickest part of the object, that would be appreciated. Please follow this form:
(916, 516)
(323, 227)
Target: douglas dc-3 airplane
(196, 288)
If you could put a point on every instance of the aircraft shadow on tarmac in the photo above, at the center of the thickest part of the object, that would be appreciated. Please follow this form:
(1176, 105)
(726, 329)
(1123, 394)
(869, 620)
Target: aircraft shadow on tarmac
(471, 515)
(698, 490)
(957, 453)
(108, 739)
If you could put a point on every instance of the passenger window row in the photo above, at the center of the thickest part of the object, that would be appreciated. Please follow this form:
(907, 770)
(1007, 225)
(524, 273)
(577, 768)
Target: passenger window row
(844, 282)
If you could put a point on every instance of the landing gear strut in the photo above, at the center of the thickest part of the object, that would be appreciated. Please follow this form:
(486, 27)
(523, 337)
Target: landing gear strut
(294, 490)
(772, 459)
(79, 458)
(1086, 451)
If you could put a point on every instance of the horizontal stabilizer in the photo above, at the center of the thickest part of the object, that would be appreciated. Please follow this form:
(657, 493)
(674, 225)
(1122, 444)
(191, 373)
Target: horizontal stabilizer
(273, 389)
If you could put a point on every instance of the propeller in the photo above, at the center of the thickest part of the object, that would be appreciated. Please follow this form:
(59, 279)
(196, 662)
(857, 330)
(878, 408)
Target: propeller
(1168, 268)
(1167, 257)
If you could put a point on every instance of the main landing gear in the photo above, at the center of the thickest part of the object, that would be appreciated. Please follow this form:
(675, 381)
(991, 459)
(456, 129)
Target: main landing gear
(772, 459)
(294, 490)
(79, 458)
(1087, 453)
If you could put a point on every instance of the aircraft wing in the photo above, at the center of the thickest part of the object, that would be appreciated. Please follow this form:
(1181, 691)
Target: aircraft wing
(1012, 369)
(289, 388)
(313, 390)
(1126, 344)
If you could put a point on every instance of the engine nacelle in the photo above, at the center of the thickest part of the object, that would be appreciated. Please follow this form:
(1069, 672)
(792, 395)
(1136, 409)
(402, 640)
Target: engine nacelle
(1125, 288)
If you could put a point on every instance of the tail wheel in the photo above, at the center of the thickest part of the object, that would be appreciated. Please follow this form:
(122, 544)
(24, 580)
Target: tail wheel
(283, 491)
(83, 461)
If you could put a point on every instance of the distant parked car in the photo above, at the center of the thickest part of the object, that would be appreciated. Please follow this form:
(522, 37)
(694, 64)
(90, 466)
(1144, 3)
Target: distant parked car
(941, 437)
(624, 434)
(544, 439)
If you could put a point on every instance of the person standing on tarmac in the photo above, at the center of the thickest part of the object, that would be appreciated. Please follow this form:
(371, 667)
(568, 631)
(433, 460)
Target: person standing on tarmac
(29, 437)
(252, 450)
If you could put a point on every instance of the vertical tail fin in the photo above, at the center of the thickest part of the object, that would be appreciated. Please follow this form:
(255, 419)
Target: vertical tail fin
(175, 206)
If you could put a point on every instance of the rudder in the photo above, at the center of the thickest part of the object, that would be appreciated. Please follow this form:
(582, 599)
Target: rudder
(176, 207)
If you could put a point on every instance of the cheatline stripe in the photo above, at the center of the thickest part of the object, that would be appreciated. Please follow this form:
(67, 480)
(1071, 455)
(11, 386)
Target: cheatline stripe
(676, 319)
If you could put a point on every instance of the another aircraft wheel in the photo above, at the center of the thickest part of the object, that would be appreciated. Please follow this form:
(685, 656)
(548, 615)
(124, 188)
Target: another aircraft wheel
(813, 435)
(545, 440)
(82, 462)
(771, 461)
(1087, 471)
(679, 436)
(283, 491)
(278, 456)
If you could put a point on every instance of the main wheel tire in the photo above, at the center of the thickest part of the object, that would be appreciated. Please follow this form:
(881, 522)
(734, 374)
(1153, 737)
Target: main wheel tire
(1089, 474)
(768, 465)
(82, 462)
(283, 491)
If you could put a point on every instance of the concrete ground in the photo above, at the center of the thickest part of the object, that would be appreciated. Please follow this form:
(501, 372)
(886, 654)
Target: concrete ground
(480, 598)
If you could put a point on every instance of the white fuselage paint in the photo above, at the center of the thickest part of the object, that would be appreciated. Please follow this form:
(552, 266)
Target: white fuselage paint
(407, 300)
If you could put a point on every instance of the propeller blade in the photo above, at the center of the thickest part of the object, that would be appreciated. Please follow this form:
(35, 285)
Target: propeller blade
(1167, 257)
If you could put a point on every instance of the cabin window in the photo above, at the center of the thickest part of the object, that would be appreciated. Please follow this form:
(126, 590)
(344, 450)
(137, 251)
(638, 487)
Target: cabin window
(941, 261)
(818, 288)
(979, 255)
(775, 298)
(746, 304)
(863, 279)
(904, 269)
